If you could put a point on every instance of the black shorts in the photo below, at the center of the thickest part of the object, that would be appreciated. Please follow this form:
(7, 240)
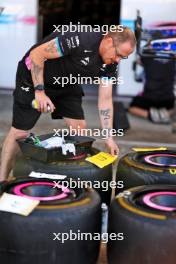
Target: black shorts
(146, 103)
(67, 100)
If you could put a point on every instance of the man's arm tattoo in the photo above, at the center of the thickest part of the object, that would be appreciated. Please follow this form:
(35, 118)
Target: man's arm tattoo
(36, 70)
(105, 114)
(51, 47)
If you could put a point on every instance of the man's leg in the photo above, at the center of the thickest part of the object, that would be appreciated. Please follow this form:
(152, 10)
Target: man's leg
(24, 119)
(75, 123)
(138, 112)
(9, 150)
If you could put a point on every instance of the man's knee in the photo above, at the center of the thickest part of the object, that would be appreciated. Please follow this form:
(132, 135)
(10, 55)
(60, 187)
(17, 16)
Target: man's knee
(82, 124)
(78, 125)
(75, 124)
(18, 133)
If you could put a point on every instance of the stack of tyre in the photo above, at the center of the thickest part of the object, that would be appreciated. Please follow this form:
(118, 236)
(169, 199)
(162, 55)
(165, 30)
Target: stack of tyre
(52, 232)
(62, 227)
(145, 212)
(73, 166)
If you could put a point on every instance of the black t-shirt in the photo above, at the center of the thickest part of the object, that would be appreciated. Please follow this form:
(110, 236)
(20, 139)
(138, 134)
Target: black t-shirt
(81, 58)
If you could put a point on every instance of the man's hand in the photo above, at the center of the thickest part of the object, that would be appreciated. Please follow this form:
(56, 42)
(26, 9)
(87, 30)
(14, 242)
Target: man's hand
(43, 102)
(112, 146)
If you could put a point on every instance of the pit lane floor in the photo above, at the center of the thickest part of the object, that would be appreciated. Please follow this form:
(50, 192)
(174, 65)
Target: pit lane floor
(141, 133)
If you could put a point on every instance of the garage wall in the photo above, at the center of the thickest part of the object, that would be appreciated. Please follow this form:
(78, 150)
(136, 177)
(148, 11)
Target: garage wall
(18, 31)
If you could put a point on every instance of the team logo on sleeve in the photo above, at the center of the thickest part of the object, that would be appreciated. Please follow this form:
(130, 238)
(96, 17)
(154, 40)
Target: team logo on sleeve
(77, 41)
(68, 43)
(73, 42)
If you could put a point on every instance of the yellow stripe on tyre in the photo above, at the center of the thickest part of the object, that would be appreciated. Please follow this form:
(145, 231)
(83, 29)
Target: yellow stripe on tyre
(140, 166)
(130, 208)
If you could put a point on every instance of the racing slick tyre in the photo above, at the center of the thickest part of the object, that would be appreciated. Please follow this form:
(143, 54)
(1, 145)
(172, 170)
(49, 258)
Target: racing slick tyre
(77, 168)
(149, 167)
(146, 216)
(52, 233)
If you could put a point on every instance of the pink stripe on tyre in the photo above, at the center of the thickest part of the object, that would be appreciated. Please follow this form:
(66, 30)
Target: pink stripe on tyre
(147, 199)
(149, 157)
(18, 191)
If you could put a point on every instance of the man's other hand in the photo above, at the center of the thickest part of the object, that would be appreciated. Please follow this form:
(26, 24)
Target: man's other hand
(112, 146)
(43, 102)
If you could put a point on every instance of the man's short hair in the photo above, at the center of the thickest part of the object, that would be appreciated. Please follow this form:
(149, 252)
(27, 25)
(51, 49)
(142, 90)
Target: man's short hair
(120, 37)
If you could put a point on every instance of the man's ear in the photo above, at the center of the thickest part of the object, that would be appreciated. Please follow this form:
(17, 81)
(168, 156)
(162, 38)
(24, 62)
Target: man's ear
(109, 41)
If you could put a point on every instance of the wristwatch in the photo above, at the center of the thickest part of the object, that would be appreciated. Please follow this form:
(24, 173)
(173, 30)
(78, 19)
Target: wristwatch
(39, 87)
